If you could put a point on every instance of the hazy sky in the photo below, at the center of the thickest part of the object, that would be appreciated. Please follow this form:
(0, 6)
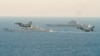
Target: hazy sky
(47, 8)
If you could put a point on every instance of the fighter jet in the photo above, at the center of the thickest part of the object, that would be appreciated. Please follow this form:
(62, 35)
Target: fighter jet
(86, 27)
(24, 25)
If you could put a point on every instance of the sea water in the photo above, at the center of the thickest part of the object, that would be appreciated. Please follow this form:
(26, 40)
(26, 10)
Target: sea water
(64, 41)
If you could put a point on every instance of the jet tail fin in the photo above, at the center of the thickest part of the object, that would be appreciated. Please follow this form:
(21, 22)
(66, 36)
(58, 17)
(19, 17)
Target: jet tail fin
(30, 24)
